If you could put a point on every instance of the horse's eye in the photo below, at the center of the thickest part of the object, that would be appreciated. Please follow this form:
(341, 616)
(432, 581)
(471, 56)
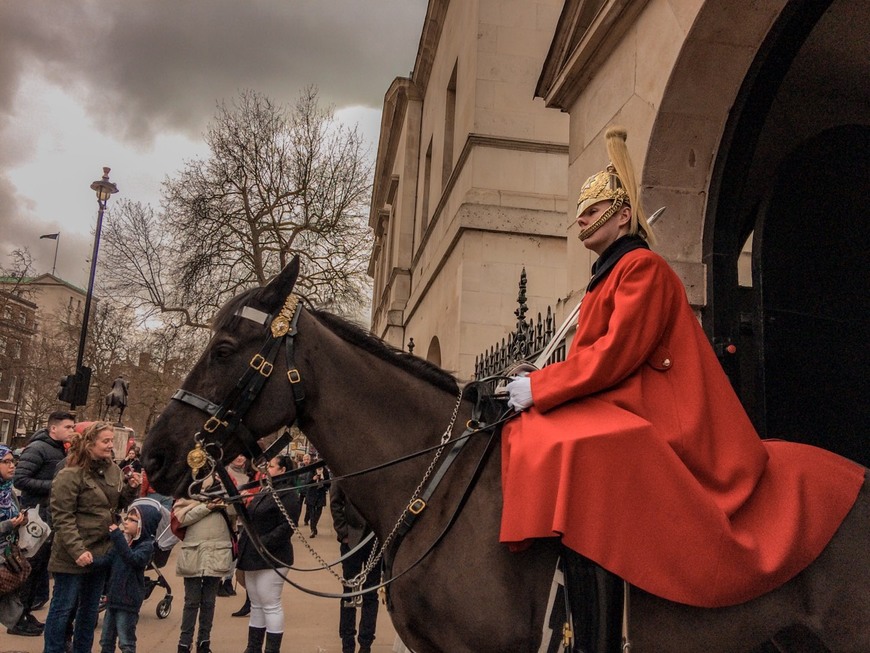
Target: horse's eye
(223, 350)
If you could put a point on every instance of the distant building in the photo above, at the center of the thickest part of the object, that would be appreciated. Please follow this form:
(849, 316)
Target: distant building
(17, 329)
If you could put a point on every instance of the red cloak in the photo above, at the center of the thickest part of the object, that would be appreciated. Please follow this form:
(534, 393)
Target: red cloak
(640, 456)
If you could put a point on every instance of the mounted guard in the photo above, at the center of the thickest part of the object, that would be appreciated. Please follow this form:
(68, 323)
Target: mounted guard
(636, 452)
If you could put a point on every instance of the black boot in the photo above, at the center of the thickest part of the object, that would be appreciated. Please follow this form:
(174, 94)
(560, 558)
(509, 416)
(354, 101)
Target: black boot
(203, 647)
(245, 610)
(183, 648)
(596, 604)
(273, 642)
(255, 639)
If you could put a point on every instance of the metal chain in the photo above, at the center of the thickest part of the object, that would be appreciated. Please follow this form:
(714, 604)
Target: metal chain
(267, 481)
(377, 551)
(376, 554)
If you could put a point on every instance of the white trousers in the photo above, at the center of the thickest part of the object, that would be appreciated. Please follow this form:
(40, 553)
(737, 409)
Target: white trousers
(264, 588)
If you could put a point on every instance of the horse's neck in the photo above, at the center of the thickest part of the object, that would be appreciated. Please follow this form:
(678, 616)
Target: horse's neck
(366, 412)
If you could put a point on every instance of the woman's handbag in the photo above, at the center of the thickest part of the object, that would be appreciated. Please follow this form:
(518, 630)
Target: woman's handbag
(33, 534)
(14, 570)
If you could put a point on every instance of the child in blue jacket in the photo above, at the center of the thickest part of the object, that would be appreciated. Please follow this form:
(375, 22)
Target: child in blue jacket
(132, 550)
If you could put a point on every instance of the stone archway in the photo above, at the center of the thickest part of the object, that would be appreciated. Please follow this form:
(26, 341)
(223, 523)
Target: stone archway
(751, 86)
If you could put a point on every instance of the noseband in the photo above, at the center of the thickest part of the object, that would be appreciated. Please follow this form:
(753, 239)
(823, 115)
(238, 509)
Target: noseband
(226, 419)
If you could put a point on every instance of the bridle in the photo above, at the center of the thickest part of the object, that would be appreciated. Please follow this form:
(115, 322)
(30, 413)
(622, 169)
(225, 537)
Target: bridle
(227, 419)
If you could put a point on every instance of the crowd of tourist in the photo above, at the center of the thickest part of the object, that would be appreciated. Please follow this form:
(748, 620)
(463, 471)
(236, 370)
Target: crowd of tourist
(103, 537)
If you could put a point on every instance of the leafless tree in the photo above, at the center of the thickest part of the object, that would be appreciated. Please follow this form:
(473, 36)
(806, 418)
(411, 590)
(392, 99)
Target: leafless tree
(278, 182)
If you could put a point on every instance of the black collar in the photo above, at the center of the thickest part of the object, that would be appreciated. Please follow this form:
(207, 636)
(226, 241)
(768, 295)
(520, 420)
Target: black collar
(610, 257)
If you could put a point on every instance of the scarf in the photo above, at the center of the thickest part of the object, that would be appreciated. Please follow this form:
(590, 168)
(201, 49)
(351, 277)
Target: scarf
(8, 505)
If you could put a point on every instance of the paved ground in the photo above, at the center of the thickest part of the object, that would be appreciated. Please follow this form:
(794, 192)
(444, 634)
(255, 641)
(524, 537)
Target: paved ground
(311, 622)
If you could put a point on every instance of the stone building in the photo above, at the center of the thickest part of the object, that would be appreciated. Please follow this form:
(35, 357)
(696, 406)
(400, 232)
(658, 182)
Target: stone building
(749, 120)
(17, 329)
(470, 182)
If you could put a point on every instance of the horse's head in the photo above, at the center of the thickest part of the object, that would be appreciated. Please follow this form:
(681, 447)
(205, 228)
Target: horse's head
(211, 407)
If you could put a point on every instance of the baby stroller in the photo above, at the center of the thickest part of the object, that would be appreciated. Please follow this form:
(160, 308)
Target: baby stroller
(164, 540)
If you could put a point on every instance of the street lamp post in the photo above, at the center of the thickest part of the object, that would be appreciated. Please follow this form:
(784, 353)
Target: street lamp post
(104, 189)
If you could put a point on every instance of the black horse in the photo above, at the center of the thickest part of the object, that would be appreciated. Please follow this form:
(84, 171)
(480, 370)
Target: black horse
(365, 404)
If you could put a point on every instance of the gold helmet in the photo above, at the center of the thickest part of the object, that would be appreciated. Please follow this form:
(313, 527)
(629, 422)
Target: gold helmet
(616, 183)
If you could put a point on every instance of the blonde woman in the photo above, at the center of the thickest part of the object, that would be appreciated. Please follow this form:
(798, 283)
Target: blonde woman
(85, 497)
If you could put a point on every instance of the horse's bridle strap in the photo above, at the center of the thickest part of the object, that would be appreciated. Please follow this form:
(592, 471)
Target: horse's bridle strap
(196, 401)
(226, 418)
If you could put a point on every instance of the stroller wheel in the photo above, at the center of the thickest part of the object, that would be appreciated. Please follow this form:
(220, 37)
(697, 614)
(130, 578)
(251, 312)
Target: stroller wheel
(164, 607)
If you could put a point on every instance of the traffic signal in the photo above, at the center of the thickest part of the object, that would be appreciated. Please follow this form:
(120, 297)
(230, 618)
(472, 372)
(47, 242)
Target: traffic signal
(82, 385)
(67, 389)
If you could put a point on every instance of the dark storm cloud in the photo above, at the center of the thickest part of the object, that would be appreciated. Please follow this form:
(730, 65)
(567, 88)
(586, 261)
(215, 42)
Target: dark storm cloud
(163, 64)
(144, 68)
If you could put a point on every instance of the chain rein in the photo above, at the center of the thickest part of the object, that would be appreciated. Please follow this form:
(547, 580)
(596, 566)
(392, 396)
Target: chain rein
(378, 549)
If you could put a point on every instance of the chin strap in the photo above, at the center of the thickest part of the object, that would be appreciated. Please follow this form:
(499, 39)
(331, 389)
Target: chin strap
(609, 213)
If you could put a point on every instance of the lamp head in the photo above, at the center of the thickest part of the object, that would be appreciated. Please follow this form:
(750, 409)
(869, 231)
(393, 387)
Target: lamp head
(103, 187)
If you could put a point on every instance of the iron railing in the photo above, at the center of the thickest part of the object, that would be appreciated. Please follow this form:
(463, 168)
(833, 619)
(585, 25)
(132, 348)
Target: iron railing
(524, 344)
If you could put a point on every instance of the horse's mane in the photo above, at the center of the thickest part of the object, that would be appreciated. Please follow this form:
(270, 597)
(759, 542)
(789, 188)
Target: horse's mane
(355, 335)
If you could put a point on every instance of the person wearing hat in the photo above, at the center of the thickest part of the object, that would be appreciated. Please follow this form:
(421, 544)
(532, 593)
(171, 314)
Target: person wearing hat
(637, 453)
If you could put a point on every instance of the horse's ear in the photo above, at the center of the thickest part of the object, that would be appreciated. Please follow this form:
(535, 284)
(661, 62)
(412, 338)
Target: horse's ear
(277, 290)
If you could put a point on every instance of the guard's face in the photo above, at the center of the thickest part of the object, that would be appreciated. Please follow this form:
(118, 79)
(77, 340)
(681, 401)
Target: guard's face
(607, 233)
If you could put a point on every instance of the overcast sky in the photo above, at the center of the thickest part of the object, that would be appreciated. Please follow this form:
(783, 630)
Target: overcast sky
(132, 85)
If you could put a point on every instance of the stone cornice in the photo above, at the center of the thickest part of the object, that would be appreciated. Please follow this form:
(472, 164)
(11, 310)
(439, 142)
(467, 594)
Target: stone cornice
(568, 68)
(482, 140)
(430, 37)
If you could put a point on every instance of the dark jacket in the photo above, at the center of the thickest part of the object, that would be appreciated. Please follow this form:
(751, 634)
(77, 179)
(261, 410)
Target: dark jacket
(271, 527)
(36, 469)
(350, 527)
(126, 589)
(315, 496)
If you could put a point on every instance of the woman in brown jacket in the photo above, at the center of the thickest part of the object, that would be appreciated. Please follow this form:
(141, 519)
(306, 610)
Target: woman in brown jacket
(85, 496)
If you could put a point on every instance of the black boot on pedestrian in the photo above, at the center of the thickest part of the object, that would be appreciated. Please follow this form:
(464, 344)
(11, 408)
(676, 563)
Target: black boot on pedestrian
(24, 629)
(183, 648)
(203, 647)
(245, 610)
(33, 621)
(348, 645)
(273, 642)
(255, 639)
(365, 649)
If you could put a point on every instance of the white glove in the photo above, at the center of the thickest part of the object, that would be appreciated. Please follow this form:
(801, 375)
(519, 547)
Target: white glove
(520, 391)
